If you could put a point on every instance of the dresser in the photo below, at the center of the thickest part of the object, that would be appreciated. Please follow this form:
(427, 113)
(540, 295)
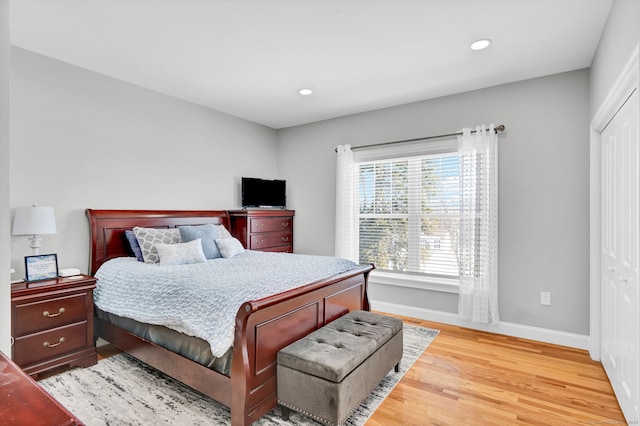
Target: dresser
(263, 230)
(52, 323)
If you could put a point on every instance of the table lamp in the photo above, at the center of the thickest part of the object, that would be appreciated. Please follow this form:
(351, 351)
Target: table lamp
(34, 220)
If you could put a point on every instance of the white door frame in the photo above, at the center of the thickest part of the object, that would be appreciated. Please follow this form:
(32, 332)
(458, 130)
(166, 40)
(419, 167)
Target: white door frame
(627, 82)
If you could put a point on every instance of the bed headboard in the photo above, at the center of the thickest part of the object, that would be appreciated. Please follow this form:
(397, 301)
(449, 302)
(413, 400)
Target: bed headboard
(106, 228)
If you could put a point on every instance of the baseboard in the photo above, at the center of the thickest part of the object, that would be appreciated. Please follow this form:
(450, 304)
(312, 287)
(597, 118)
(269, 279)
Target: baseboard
(101, 342)
(556, 337)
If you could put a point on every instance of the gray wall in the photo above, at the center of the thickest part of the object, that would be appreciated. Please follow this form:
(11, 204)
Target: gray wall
(543, 179)
(620, 36)
(83, 140)
(5, 256)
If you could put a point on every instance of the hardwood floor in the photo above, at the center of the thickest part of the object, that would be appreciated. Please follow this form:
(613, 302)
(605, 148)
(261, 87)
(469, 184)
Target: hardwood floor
(468, 377)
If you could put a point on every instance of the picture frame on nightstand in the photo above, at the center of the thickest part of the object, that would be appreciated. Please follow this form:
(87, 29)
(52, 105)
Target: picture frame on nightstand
(41, 267)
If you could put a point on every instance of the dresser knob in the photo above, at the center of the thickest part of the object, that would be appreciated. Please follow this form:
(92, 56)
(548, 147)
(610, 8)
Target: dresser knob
(259, 241)
(259, 225)
(285, 224)
(53, 345)
(285, 238)
(48, 315)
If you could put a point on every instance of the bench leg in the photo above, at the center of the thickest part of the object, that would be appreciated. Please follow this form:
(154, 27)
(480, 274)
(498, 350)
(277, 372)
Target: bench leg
(397, 368)
(285, 412)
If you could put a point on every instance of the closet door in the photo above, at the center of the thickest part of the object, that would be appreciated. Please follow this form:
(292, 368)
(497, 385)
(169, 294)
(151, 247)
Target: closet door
(620, 315)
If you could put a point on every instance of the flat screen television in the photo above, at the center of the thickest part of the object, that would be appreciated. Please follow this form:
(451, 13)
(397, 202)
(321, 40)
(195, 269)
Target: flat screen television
(263, 193)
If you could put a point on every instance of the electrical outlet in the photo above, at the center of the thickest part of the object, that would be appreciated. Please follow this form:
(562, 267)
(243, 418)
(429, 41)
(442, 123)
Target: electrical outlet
(545, 298)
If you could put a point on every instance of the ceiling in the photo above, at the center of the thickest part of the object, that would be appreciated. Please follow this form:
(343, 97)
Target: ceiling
(249, 58)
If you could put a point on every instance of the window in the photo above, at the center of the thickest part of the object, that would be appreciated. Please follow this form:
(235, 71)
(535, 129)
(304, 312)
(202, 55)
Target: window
(408, 213)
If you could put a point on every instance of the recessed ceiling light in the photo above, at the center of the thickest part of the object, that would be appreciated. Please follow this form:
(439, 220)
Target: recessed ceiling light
(305, 92)
(480, 44)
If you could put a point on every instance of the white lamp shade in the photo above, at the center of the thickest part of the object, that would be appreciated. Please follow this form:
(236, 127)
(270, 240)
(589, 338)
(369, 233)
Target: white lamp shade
(34, 220)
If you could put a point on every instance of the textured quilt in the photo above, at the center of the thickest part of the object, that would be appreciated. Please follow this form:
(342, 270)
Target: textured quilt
(202, 299)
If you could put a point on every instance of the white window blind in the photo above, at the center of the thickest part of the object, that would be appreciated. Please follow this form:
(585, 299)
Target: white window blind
(409, 213)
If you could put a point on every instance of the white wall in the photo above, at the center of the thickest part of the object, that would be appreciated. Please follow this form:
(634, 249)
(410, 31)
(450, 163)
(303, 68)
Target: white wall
(5, 256)
(544, 190)
(83, 140)
(620, 36)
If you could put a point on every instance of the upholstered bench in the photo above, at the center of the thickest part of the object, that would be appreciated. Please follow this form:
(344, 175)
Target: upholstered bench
(326, 374)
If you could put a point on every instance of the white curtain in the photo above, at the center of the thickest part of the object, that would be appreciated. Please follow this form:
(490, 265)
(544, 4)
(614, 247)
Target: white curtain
(345, 199)
(478, 153)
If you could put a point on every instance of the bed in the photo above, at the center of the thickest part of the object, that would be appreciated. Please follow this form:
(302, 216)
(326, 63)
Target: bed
(262, 327)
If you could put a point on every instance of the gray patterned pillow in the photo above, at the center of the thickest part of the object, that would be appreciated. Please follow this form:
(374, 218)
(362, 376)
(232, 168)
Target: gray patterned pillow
(149, 237)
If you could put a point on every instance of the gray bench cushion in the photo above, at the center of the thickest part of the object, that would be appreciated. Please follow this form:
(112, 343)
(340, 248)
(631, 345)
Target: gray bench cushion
(335, 350)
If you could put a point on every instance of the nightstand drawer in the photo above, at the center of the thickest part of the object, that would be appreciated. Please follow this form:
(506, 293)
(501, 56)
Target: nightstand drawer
(272, 239)
(51, 343)
(269, 224)
(50, 313)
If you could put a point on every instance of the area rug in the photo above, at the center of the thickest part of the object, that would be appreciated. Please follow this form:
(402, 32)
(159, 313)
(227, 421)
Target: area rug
(121, 390)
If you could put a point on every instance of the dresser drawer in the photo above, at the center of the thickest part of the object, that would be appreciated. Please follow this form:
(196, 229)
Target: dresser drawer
(270, 224)
(271, 239)
(50, 313)
(279, 249)
(49, 344)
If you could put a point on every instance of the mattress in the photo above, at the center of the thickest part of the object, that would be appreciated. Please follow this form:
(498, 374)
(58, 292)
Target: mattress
(190, 347)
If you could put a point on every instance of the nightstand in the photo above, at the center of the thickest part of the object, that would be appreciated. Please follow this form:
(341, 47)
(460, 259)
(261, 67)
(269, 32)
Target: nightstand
(52, 323)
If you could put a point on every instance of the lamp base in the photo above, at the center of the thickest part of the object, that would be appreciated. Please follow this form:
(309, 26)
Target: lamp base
(36, 244)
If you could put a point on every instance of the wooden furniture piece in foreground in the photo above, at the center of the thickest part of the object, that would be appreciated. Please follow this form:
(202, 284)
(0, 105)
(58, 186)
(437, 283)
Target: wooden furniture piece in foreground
(263, 326)
(23, 402)
(264, 230)
(52, 323)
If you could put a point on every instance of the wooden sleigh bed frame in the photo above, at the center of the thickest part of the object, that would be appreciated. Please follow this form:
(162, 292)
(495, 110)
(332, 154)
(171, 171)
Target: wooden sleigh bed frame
(263, 326)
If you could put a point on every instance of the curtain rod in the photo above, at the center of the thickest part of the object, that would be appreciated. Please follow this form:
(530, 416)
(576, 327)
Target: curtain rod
(498, 128)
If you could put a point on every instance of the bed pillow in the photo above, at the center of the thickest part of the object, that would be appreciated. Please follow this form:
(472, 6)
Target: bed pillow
(207, 234)
(133, 244)
(149, 237)
(181, 253)
(223, 232)
(229, 247)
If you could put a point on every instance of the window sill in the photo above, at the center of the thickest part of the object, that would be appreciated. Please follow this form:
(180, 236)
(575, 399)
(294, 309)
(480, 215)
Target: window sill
(445, 285)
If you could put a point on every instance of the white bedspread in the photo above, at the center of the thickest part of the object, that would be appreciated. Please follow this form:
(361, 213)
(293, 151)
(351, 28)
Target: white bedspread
(202, 299)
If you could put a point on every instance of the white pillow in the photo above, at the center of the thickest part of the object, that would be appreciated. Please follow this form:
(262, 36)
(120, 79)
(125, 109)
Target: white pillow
(181, 253)
(229, 247)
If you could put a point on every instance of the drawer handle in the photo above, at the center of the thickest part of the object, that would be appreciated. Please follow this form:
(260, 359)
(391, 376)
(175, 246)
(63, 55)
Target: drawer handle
(48, 315)
(53, 345)
(285, 224)
(285, 238)
(259, 225)
(259, 241)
